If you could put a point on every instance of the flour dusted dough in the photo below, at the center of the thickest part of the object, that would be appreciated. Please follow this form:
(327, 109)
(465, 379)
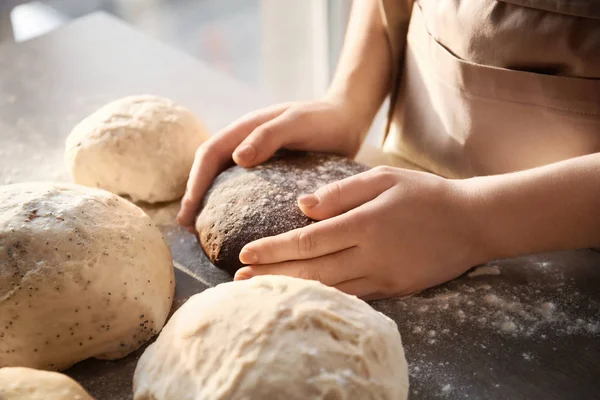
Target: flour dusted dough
(83, 273)
(246, 204)
(31, 384)
(274, 337)
(140, 146)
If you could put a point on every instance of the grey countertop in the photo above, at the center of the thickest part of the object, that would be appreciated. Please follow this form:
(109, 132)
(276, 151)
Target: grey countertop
(525, 328)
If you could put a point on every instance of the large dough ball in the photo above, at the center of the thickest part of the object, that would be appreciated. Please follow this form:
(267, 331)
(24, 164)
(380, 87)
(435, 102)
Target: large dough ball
(31, 384)
(274, 337)
(244, 205)
(83, 273)
(139, 146)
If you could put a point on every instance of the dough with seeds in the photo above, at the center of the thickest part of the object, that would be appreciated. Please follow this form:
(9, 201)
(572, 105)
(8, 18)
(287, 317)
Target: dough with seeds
(83, 273)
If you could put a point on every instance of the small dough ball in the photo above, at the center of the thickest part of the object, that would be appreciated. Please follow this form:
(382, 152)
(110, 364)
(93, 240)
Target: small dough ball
(139, 146)
(274, 337)
(83, 273)
(246, 204)
(31, 384)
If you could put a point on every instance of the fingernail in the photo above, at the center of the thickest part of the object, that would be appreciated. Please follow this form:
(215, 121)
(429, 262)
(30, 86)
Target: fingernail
(242, 274)
(245, 152)
(308, 200)
(248, 257)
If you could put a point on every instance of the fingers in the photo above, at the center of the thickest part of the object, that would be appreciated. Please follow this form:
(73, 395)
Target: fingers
(269, 137)
(262, 143)
(312, 241)
(214, 155)
(205, 168)
(342, 196)
(330, 269)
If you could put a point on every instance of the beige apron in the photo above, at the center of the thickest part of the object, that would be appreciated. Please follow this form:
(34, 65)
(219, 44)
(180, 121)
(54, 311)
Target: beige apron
(486, 87)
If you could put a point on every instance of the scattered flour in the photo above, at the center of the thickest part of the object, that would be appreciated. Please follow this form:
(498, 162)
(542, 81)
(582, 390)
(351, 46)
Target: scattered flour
(503, 317)
(446, 389)
(526, 310)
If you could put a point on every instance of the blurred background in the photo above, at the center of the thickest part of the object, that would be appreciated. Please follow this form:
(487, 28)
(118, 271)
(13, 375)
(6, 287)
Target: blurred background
(287, 49)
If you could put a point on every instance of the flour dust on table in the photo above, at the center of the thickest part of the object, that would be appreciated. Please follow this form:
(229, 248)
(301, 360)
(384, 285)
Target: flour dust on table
(534, 304)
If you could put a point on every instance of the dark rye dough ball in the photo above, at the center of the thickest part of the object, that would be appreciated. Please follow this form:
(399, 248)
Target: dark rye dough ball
(247, 204)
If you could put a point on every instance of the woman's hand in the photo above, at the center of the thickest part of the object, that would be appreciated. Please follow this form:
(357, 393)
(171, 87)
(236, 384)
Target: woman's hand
(336, 124)
(382, 233)
(327, 125)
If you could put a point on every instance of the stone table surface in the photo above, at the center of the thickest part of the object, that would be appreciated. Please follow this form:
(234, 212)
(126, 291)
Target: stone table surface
(526, 328)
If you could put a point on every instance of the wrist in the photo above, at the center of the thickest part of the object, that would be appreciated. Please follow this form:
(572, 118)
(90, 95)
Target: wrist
(472, 221)
(359, 113)
(517, 214)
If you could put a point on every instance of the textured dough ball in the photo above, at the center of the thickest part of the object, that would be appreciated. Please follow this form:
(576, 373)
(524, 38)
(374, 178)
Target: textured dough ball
(244, 205)
(274, 337)
(31, 384)
(83, 273)
(139, 146)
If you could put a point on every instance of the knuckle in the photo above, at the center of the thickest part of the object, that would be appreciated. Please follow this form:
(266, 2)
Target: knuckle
(346, 225)
(188, 201)
(204, 153)
(200, 152)
(385, 173)
(296, 114)
(368, 228)
(305, 242)
(334, 191)
(265, 132)
(383, 170)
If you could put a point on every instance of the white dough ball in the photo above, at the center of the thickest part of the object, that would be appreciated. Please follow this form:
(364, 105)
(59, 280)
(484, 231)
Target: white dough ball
(31, 384)
(274, 337)
(139, 146)
(83, 273)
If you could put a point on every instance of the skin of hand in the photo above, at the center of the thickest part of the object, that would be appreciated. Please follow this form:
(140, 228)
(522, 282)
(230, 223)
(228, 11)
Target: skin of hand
(324, 125)
(385, 232)
(389, 232)
(337, 123)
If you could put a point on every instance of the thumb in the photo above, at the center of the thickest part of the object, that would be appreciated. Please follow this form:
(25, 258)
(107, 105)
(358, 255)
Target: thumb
(342, 196)
(269, 137)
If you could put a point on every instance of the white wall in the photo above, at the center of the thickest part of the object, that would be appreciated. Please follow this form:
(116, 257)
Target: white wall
(294, 60)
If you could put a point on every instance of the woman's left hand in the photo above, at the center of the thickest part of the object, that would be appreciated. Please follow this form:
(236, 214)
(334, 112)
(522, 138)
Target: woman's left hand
(382, 233)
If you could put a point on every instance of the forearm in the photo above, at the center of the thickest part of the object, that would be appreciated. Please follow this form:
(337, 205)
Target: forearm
(555, 207)
(363, 75)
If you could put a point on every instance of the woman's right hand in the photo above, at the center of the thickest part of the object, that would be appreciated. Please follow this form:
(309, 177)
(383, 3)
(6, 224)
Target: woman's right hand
(326, 125)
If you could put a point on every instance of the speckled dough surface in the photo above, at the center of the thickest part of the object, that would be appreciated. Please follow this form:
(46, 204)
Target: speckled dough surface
(139, 146)
(274, 337)
(31, 384)
(247, 204)
(83, 273)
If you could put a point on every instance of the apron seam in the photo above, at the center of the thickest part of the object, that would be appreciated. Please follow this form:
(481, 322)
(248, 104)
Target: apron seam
(500, 100)
(418, 51)
(439, 79)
